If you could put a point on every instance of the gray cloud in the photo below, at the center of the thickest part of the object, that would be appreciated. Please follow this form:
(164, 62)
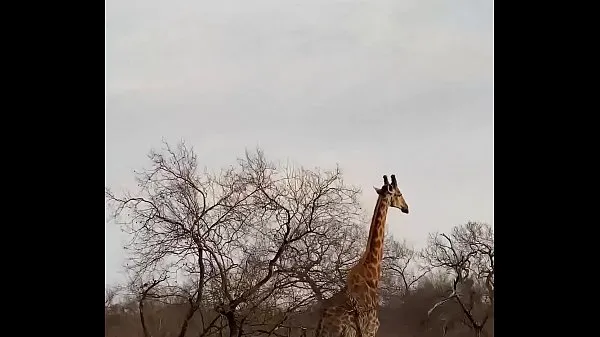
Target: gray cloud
(401, 87)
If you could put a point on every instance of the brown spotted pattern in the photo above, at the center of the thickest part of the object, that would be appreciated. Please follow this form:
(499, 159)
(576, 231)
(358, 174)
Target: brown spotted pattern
(353, 311)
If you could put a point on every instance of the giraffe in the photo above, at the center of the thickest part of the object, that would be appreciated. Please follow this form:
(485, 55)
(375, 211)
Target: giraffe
(353, 311)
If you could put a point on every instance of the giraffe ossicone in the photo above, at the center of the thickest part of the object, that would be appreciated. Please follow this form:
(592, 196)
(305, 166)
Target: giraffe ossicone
(352, 312)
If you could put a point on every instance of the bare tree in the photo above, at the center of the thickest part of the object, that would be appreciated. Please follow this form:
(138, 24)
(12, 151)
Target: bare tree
(402, 268)
(468, 254)
(109, 295)
(292, 206)
(218, 238)
(319, 263)
(166, 219)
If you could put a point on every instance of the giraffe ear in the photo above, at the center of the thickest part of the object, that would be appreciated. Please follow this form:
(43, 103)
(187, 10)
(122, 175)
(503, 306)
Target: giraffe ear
(378, 190)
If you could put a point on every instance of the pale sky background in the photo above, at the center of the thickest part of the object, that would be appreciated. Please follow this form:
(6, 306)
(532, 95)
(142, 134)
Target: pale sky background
(380, 87)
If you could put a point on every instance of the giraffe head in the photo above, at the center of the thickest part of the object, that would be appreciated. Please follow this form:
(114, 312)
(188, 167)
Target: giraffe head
(392, 192)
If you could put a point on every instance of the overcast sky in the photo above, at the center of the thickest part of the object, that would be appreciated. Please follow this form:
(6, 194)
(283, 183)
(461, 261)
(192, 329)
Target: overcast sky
(399, 87)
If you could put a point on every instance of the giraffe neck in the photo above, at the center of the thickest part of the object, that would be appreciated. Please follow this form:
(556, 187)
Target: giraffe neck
(374, 250)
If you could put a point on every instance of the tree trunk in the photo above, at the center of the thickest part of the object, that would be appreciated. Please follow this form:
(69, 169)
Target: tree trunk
(186, 321)
(232, 324)
(142, 319)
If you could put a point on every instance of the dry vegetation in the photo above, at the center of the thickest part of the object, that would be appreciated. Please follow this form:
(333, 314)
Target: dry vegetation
(254, 249)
